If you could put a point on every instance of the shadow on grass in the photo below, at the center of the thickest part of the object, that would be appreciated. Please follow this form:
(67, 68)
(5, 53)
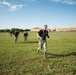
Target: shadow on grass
(50, 55)
(29, 42)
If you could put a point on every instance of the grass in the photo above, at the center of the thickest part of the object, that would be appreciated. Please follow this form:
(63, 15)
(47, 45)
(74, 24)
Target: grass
(22, 58)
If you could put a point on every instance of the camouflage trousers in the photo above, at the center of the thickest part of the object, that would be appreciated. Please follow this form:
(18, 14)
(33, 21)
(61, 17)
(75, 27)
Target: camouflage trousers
(15, 38)
(42, 43)
(25, 38)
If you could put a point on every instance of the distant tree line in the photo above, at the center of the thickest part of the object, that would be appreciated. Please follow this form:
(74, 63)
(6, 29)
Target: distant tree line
(14, 29)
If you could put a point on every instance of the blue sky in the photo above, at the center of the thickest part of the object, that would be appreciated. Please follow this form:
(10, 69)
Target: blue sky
(36, 13)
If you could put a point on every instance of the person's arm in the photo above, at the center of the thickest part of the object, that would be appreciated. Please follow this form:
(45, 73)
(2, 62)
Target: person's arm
(38, 35)
(47, 34)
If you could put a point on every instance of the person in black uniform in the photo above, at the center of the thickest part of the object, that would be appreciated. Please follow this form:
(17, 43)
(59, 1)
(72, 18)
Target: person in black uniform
(42, 34)
(25, 36)
(11, 32)
(16, 33)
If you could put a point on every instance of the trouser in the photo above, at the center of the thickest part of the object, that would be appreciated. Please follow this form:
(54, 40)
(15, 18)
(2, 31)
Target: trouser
(42, 43)
(25, 38)
(15, 38)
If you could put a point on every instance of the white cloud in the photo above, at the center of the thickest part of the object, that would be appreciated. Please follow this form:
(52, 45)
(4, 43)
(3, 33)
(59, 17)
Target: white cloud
(56, 0)
(15, 7)
(5, 3)
(12, 7)
(31, 0)
(70, 2)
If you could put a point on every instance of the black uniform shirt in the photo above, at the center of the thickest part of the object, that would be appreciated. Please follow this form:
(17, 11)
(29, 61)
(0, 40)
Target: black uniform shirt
(16, 33)
(25, 34)
(43, 34)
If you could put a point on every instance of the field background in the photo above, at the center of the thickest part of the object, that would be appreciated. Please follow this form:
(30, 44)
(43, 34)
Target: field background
(22, 58)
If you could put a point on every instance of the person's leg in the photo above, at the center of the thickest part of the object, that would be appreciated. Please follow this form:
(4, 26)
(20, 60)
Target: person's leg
(24, 38)
(40, 45)
(15, 38)
(45, 48)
